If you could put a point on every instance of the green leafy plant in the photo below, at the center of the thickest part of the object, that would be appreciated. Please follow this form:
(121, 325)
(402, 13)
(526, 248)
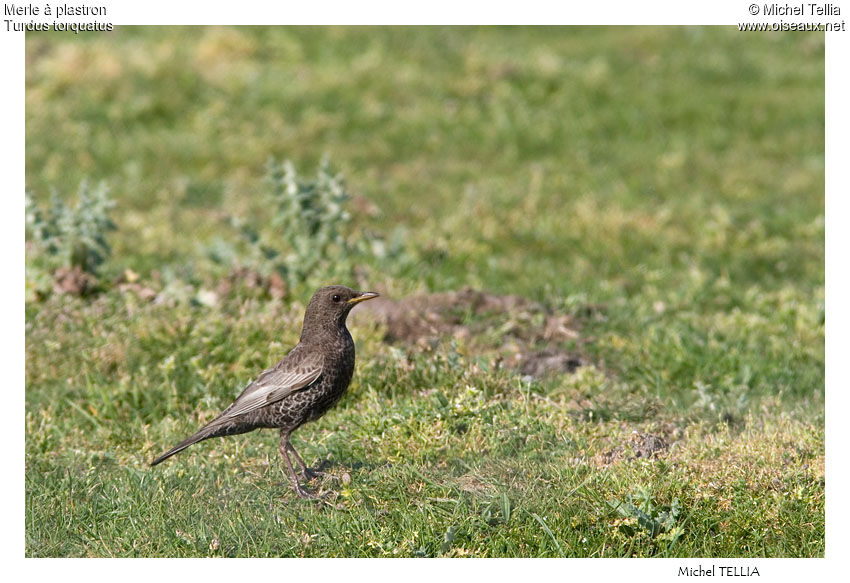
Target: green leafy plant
(655, 521)
(309, 237)
(309, 223)
(67, 243)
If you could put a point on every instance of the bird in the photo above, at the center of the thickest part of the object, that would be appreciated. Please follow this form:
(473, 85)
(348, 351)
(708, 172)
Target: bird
(302, 387)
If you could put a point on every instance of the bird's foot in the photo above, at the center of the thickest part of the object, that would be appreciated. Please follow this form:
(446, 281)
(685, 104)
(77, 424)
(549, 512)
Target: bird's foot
(309, 494)
(299, 490)
(304, 493)
(311, 474)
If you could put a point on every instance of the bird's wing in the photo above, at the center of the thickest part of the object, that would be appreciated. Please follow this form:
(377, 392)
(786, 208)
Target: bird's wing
(288, 376)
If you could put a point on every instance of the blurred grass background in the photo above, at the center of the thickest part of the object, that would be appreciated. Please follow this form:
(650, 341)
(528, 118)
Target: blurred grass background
(673, 176)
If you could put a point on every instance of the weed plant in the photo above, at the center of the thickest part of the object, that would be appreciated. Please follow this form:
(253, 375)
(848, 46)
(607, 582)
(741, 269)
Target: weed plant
(70, 237)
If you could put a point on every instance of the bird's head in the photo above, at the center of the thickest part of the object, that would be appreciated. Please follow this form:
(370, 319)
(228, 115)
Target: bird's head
(329, 306)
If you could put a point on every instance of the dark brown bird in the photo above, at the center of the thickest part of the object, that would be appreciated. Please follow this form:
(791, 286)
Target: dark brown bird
(301, 387)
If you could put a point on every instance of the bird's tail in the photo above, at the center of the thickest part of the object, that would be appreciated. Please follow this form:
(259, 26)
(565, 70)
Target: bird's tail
(214, 429)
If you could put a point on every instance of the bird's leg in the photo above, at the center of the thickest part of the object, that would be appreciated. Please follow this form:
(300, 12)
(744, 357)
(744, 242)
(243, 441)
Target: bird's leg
(308, 473)
(284, 446)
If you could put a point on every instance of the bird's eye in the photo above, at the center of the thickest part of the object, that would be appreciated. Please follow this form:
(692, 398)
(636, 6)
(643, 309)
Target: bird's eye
(336, 298)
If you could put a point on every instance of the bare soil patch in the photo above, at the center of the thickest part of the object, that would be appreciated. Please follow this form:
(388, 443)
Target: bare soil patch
(526, 335)
(638, 446)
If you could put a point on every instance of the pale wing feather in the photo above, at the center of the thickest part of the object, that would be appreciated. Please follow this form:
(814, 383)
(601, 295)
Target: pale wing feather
(273, 385)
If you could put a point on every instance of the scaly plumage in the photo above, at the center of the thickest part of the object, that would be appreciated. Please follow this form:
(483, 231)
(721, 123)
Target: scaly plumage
(301, 387)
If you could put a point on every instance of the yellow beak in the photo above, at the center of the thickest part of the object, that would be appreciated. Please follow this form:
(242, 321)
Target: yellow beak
(362, 297)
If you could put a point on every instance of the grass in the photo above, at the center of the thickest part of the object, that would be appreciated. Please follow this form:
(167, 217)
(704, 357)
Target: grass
(664, 187)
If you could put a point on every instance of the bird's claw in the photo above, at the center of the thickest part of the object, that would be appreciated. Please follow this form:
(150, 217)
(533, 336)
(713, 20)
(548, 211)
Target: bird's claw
(309, 494)
(306, 494)
(310, 474)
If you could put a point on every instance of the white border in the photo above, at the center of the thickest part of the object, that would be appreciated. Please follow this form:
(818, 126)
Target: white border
(442, 12)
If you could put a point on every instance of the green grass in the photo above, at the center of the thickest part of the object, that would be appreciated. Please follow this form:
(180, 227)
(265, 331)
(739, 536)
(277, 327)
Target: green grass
(662, 186)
